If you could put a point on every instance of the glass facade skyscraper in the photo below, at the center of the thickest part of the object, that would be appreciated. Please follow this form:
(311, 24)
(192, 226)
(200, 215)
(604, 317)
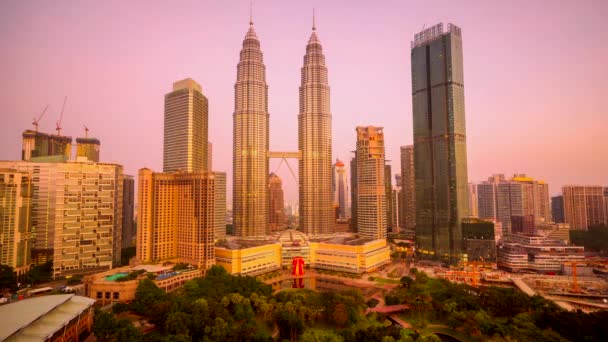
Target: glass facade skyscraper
(440, 155)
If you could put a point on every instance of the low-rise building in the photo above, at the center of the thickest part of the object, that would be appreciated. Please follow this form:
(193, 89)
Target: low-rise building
(106, 287)
(345, 253)
(531, 253)
(47, 318)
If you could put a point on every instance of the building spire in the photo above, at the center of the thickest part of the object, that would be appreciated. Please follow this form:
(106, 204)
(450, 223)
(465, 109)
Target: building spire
(314, 27)
(251, 12)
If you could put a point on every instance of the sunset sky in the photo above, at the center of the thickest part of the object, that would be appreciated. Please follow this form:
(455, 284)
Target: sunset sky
(536, 76)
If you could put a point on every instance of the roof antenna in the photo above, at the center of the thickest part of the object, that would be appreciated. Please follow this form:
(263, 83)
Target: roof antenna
(251, 12)
(314, 27)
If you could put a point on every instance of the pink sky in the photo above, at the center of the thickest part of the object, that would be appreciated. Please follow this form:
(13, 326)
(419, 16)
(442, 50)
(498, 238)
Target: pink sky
(535, 72)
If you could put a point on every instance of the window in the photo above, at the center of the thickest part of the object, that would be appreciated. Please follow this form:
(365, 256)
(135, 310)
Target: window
(107, 295)
(115, 295)
(99, 295)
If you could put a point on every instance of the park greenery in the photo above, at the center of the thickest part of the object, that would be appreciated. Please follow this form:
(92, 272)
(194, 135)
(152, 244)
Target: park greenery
(595, 239)
(221, 307)
(492, 313)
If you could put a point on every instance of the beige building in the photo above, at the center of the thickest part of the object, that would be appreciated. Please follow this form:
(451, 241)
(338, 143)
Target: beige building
(186, 128)
(250, 141)
(473, 206)
(16, 237)
(87, 149)
(276, 216)
(343, 253)
(176, 217)
(76, 214)
(408, 188)
(371, 192)
(314, 143)
(584, 206)
(220, 205)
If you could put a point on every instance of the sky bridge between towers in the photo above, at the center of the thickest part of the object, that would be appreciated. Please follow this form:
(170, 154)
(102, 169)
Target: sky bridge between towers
(283, 155)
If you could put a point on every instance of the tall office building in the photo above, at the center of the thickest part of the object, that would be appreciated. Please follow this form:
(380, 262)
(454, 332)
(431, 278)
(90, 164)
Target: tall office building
(37, 144)
(314, 143)
(88, 149)
(340, 189)
(440, 152)
(371, 188)
(76, 214)
(128, 205)
(16, 236)
(250, 141)
(388, 187)
(176, 218)
(473, 207)
(276, 218)
(557, 209)
(209, 156)
(220, 205)
(186, 128)
(408, 188)
(353, 193)
(584, 206)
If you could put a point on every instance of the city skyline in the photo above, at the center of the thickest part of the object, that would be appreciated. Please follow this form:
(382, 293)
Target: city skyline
(283, 30)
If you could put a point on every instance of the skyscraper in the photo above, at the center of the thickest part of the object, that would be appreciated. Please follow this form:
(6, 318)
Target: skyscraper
(473, 207)
(250, 141)
(186, 128)
(219, 201)
(584, 206)
(314, 142)
(276, 219)
(487, 197)
(128, 205)
(371, 191)
(16, 236)
(396, 203)
(353, 193)
(37, 144)
(440, 154)
(176, 218)
(408, 188)
(340, 189)
(557, 209)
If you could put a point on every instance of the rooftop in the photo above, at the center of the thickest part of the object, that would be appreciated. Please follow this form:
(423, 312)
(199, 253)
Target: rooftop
(37, 318)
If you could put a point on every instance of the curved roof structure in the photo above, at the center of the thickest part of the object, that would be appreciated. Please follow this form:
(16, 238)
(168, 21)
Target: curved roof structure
(37, 319)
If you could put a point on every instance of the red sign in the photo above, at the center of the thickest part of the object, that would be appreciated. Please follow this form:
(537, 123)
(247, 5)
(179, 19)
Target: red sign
(297, 266)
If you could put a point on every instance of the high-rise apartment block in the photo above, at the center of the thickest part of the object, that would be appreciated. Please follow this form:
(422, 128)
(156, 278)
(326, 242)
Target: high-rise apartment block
(314, 143)
(250, 141)
(396, 203)
(584, 206)
(16, 236)
(440, 152)
(340, 189)
(371, 192)
(518, 203)
(76, 214)
(186, 120)
(473, 207)
(176, 217)
(38, 144)
(87, 149)
(277, 203)
(557, 209)
(408, 188)
(128, 206)
(388, 187)
(220, 205)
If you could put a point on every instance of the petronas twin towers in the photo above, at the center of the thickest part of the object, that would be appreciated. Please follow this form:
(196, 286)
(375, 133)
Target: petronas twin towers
(251, 137)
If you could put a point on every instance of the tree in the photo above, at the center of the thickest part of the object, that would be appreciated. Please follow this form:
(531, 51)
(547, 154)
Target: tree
(146, 295)
(8, 279)
(320, 336)
(103, 325)
(178, 323)
(340, 315)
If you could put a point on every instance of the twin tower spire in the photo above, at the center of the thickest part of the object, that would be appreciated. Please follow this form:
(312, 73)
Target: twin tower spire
(251, 141)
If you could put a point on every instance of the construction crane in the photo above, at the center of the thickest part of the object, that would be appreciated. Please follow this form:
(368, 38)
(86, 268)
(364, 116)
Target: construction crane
(36, 121)
(86, 131)
(58, 128)
(573, 263)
